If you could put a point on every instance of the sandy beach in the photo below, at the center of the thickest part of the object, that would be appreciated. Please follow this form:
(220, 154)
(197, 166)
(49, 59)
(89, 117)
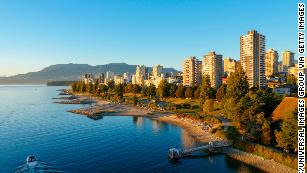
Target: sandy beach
(194, 129)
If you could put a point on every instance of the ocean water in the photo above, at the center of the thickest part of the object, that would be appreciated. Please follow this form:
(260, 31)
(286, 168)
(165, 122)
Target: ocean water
(30, 123)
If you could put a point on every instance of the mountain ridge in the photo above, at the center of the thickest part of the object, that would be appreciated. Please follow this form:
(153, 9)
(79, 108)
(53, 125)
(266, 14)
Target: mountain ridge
(69, 72)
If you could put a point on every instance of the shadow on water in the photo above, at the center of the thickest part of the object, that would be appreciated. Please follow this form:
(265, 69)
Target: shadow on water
(241, 167)
(95, 117)
(40, 168)
(200, 155)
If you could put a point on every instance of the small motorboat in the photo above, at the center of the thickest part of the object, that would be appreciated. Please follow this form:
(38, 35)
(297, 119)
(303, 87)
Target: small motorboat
(31, 161)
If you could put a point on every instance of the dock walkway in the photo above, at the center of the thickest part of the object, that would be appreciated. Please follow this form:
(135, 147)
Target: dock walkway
(211, 147)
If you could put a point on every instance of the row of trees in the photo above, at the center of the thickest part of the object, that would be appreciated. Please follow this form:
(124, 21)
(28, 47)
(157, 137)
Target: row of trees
(164, 89)
(249, 108)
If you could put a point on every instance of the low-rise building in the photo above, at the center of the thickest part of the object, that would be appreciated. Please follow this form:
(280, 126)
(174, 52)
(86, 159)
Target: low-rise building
(282, 90)
(229, 66)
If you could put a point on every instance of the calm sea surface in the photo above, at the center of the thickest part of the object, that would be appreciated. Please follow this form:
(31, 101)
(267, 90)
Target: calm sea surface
(31, 124)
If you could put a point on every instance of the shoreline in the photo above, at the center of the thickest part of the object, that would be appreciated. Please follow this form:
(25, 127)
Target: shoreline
(194, 130)
(248, 158)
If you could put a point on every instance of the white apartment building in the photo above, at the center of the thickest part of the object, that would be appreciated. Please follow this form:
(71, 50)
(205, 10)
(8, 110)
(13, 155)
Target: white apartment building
(252, 52)
(213, 67)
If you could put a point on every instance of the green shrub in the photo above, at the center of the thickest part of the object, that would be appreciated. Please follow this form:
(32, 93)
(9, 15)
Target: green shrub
(195, 107)
(232, 133)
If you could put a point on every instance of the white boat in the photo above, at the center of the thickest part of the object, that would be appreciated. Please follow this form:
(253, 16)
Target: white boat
(31, 161)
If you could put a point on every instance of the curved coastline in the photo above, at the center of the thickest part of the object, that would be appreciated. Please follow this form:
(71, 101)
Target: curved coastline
(194, 130)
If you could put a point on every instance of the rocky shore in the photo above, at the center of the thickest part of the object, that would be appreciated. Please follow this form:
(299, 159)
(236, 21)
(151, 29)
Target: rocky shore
(75, 101)
(72, 99)
(257, 161)
(65, 98)
(90, 111)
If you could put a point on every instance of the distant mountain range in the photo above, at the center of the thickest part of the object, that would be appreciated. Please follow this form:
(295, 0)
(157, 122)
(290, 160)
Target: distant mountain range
(70, 72)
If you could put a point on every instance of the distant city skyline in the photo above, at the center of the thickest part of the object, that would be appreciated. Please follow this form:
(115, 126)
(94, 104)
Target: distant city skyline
(36, 34)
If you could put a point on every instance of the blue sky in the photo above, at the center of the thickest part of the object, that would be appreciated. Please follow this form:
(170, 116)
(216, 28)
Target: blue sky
(38, 33)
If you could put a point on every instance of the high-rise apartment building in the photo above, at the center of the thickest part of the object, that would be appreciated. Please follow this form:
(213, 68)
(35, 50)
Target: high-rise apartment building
(279, 66)
(141, 74)
(213, 67)
(252, 52)
(287, 60)
(88, 78)
(127, 77)
(157, 71)
(109, 76)
(271, 62)
(191, 71)
(230, 66)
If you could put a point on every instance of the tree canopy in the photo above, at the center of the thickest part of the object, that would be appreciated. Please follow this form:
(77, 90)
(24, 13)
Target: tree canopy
(237, 85)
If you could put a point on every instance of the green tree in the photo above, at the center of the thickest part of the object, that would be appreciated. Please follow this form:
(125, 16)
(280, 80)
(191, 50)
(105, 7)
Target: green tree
(136, 88)
(205, 90)
(287, 137)
(111, 85)
(129, 88)
(144, 90)
(119, 88)
(90, 88)
(211, 93)
(189, 92)
(172, 90)
(291, 79)
(163, 89)
(221, 92)
(196, 93)
(82, 87)
(78, 86)
(231, 109)
(74, 86)
(232, 133)
(96, 84)
(266, 133)
(208, 106)
(151, 90)
(260, 101)
(237, 85)
(104, 88)
(180, 92)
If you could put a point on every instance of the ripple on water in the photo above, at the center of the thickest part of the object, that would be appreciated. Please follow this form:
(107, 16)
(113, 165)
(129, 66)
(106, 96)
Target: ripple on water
(31, 124)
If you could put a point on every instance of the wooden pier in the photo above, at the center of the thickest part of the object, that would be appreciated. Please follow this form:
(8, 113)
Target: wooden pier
(211, 147)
